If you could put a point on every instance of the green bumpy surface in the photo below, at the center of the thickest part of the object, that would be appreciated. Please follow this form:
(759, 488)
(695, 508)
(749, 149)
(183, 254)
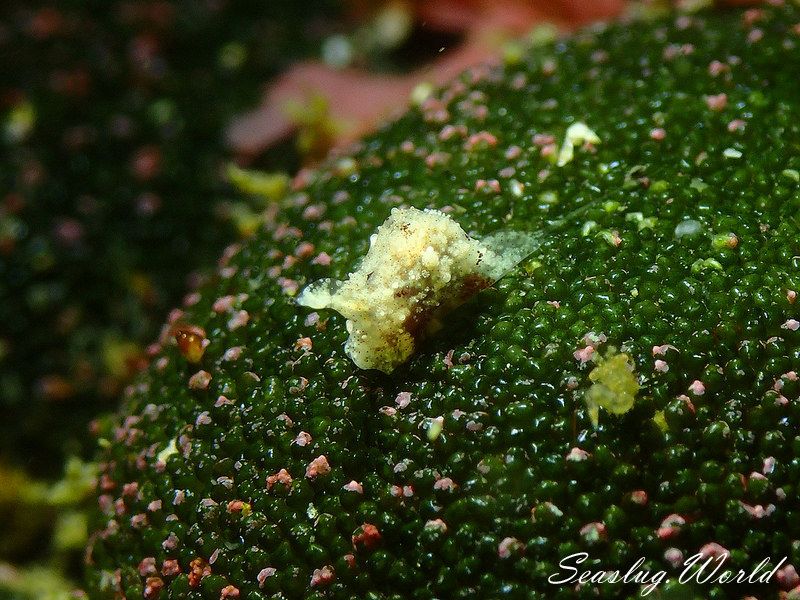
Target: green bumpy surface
(518, 478)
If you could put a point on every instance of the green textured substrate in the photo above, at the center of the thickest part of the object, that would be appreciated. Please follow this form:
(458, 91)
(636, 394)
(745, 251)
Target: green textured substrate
(282, 471)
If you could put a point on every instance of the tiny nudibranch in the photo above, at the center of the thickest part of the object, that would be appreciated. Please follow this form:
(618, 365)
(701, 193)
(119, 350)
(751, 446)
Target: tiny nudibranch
(419, 266)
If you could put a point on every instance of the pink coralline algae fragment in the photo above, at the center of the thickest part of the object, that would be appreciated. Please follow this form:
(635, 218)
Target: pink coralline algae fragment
(513, 152)
(509, 546)
(239, 319)
(435, 159)
(281, 477)
(367, 536)
(322, 577)
(661, 366)
(192, 298)
(584, 355)
(448, 131)
(305, 344)
(736, 125)
(577, 455)
(487, 185)
(752, 15)
(318, 466)
(147, 567)
(662, 349)
(758, 511)
(445, 483)
(139, 520)
(289, 286)
(674, 557)
(264, 574)
(223, 304)
(353, 486)
(313, 212)
(323, 259)
(304, 250)
(436, 524)
(697, 388)
(788, 578)
(403, 399)
(658, 134)
(717, 102)
(791, 325)
(688, 402)
(222, 401)
(229, 591)
(594, 532)
(200, 380)
(170, 568)
(303, 439)
(232, 354)
(716, 68)
(482, 137)
(152, 587)
(714, 550)
(171, 543)
(670, 527)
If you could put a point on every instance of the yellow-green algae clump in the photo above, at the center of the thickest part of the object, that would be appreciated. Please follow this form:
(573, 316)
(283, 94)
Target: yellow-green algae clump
(614, 386)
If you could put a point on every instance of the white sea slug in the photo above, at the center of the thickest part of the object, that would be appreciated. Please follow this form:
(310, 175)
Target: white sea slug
(420, 265)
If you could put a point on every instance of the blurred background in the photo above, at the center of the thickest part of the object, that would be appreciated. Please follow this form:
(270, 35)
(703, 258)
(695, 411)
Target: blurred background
(137, 139)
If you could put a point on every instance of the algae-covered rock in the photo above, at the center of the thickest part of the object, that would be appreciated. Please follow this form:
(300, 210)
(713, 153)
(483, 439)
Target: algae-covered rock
(277, 468)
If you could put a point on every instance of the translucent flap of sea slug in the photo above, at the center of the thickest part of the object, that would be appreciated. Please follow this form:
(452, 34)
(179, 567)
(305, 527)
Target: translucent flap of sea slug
(508, 248)
(318, 295)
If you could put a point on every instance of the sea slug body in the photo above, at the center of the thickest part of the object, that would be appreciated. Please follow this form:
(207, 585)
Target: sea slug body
(420, 265)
